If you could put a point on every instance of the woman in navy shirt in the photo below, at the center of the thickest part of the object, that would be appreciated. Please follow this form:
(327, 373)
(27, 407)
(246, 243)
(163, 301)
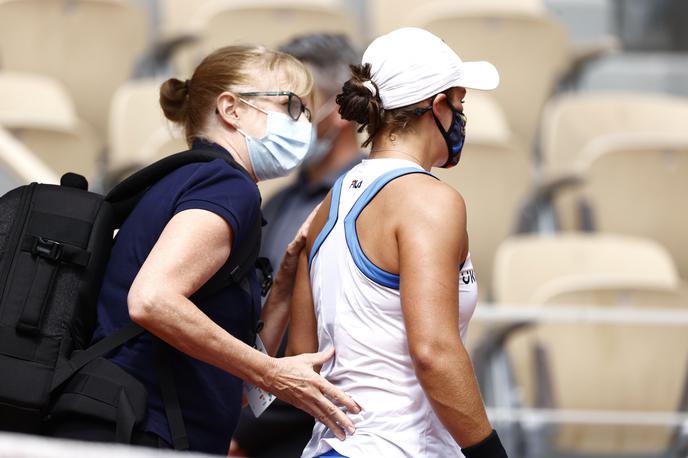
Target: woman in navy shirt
(247, 102)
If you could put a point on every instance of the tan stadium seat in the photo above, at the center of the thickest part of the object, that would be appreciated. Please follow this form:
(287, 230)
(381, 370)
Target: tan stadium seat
(637, 184)
(136, 120)
(609, 367)
(175, 14)
(19, 165)
(525, 263)
(91, 46)
(267, 22)
(571, 121)
(39, 112)
(493, 177)
(530, 49)
(387, 15)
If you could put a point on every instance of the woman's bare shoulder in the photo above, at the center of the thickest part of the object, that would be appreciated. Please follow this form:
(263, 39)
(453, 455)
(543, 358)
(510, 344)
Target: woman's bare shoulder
(420, 194)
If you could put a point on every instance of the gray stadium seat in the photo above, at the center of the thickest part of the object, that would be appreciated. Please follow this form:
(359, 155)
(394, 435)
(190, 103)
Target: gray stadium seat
(657, 72)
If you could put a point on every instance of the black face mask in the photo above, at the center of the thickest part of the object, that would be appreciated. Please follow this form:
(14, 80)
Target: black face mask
(455, 136)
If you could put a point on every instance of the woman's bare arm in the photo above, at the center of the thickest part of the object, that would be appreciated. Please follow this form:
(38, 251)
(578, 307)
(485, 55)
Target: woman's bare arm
(176, 267)
(277, 307)
(303, 337)
(431, 247)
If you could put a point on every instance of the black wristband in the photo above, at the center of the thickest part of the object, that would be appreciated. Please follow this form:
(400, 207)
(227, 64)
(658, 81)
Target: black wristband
(490, 447)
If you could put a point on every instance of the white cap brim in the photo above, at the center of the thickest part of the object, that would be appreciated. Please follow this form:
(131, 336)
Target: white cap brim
(478, 75)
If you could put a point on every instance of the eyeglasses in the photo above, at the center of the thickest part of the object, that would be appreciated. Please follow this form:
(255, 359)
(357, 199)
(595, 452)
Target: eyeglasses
(295, 105)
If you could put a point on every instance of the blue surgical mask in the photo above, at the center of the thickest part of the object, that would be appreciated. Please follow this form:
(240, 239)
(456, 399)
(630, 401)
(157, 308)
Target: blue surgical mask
(283, 147)
(318, 150)
(455, 136)
(322, 145)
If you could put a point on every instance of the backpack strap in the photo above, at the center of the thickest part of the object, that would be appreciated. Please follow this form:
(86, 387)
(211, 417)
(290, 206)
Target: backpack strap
(126, 194)
(69, 367)
(168, 392)
(168, 388)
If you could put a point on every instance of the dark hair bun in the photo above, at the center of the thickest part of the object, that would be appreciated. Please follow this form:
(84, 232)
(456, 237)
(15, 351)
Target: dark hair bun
(357, 103)
(174, 96)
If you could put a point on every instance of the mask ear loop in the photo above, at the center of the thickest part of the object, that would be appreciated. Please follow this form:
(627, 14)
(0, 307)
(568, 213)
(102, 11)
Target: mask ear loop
(445, 133)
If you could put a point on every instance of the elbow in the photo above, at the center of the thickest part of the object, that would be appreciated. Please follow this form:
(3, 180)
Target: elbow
(425, 358)
(431, 357)
(144, 305)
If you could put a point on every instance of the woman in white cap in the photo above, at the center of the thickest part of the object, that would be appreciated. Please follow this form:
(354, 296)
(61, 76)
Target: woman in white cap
(388, 278)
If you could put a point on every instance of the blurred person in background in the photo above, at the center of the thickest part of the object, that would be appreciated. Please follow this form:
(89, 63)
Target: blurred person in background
(282, 431)
(248, 103)
(380, 277)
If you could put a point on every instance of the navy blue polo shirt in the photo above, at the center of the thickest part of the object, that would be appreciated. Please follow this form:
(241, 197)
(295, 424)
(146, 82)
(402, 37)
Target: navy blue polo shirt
(210, 398)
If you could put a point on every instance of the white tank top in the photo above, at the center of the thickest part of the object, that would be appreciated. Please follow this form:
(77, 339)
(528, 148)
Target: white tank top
(358, 311)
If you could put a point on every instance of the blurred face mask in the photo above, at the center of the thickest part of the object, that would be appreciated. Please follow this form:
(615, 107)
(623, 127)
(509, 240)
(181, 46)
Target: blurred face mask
(454, 136)
(283, 147)
(322, 145)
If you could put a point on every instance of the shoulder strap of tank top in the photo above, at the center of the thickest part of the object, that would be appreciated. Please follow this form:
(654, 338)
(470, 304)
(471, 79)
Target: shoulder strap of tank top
(331, 219)
(369, 269)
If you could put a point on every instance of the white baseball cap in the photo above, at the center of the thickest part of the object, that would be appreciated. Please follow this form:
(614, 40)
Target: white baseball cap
(411, 64)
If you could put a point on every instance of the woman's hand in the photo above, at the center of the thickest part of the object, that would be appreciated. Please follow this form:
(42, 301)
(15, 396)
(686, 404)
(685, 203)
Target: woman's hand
(293, 380)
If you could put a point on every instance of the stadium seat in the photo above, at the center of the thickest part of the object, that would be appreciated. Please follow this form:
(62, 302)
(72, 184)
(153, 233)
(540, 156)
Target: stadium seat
(40, 113)
(508, 358)
(268, 22)
(608, 367)
(585, 20)
(530, 49)
(646, 72)
(572, 121)
(525, 263)
(20, 166)
(493, 176)
(174, 15)
(136, 117)
(387, 15)
(637, 184)
(91, 46)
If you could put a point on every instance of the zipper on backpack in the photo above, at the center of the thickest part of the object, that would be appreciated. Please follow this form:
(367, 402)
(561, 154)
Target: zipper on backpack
(16, 232)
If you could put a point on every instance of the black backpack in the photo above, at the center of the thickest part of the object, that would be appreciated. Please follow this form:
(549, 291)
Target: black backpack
(55, 242)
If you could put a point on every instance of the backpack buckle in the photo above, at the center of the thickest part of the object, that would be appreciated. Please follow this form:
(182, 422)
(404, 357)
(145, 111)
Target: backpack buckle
(45, 248)
(263, 264)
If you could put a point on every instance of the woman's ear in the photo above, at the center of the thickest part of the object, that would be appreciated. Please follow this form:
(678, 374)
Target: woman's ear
(226, 107)
(441, 110)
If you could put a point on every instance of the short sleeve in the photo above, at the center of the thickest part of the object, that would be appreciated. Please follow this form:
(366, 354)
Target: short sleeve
(218, 187)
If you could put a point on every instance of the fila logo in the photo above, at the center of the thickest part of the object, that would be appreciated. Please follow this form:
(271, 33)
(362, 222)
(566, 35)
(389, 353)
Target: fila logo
(355, 184)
